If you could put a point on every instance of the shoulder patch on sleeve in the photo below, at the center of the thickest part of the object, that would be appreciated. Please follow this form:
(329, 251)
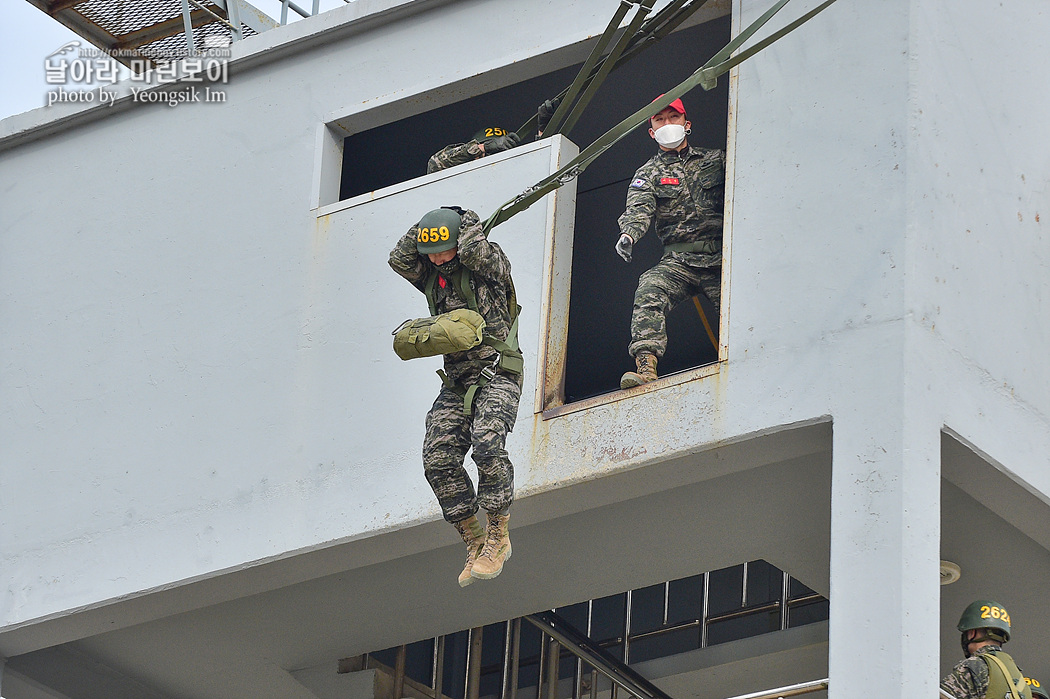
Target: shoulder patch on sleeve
(638, 183)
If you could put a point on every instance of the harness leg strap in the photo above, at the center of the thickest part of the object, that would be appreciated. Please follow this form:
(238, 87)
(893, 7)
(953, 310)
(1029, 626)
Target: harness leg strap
(487, 374)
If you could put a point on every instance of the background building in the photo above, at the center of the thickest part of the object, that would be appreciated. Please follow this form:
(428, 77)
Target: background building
(209, 456)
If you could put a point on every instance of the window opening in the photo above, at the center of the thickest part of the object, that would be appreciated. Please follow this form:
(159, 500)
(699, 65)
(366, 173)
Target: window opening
(399, 151)
(602, 285)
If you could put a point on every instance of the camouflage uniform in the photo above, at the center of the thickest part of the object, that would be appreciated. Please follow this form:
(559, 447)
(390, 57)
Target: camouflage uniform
(969, 677)
(453, 155)
(450, 433)
(685, 192)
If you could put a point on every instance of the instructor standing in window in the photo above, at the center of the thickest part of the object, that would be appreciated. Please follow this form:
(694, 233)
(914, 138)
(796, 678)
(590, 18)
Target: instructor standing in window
(681, 191)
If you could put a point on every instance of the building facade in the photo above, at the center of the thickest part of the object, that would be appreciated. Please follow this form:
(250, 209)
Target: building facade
(210, 457)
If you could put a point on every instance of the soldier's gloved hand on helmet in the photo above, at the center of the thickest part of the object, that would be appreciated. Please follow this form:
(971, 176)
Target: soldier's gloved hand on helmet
(624, 246)
(501, 143)
(545, 112)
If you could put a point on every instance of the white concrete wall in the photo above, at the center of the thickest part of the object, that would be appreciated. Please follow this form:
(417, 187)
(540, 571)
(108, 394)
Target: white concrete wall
(161, 393)
(227, 398)
(979, 238)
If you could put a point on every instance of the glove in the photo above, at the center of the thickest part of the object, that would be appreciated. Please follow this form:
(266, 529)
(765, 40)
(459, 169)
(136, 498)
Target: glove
(457, 209)
(501, 143)
(545, 112)
(623, 247)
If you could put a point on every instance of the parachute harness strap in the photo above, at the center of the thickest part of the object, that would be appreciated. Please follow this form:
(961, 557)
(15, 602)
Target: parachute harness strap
(605, 68)
(1011, 682)
(506, 348)
(706, 76)
(652, 30)
(588, 66)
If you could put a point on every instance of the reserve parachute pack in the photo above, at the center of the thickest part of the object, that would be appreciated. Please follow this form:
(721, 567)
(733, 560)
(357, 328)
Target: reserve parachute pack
(455, 331)
(460, 329)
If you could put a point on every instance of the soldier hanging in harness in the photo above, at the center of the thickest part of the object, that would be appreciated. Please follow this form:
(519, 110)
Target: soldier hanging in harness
(448, 257)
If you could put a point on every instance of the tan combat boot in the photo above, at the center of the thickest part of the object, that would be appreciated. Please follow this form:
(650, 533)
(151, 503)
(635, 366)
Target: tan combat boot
(646, 362)
(496, 549)
(474, 537)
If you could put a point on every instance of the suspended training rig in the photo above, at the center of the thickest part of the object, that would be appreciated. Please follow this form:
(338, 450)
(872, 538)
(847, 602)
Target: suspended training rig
(595, 69)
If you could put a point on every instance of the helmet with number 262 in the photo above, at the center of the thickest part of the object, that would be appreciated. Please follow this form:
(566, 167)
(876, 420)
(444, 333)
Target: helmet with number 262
(986, 614)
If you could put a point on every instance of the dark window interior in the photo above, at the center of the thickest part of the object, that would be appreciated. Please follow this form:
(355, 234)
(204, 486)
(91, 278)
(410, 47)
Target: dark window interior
(602, 284)
(665, 619)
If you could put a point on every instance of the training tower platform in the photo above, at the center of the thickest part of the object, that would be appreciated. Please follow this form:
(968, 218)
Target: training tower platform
(210, 479)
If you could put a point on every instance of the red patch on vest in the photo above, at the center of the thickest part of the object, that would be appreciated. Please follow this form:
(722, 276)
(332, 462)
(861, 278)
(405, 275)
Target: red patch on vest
(668, 180)
(441, 281)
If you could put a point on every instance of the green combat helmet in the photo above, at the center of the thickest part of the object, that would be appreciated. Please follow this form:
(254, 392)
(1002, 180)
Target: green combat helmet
(1038, 690)
(485, 134)
(497, 140)
(438, 231)
(985, 614)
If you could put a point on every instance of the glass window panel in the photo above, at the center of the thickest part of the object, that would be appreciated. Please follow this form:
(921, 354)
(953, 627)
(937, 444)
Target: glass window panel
(493, 638)
(529, 655)
(726, 590)
(608, 617)
(647, 609)
(490, 683)
(575, 614)
(664, 644)
(742, 627)
(419, 661)
(797, 589)
(764, 583)
(808, 613)
(685, 599)
(566, 665)
(453, 677)
(387, 656)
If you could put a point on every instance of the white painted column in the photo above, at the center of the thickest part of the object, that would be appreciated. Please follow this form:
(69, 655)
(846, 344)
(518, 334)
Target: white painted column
(885, 541)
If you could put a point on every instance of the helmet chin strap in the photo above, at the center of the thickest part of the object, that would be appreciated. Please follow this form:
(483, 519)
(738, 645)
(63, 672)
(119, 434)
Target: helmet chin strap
(979, 636)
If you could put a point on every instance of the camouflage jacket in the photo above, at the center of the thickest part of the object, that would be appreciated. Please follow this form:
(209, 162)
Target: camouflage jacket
(490, 278)
(456, 154)
(685, 193)
(969, 677)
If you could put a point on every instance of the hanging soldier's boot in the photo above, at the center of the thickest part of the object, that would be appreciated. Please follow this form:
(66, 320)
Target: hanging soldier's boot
(474, 537)
(496, 550)
(646, 362)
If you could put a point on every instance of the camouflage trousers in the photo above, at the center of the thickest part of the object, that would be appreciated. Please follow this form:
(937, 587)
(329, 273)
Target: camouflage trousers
(450, 434)
(672, 280)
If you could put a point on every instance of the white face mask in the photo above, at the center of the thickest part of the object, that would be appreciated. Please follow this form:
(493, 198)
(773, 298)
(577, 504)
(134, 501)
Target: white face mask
(670, 135)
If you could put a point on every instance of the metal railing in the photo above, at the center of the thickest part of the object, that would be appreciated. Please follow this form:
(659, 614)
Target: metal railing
(587, 651)
(789, 691)
(232, 20)
(288, 4)
(557, 635)
(594, 661)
